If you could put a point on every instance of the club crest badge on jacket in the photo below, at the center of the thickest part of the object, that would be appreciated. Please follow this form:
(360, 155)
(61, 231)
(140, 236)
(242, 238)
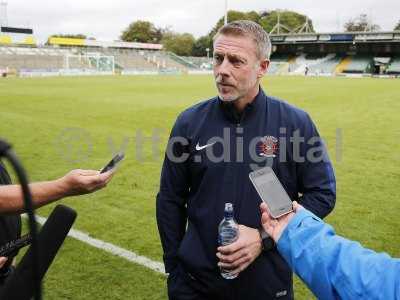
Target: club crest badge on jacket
(268, 146)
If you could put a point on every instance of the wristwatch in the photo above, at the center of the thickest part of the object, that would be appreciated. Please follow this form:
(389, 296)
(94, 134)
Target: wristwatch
(267, 242)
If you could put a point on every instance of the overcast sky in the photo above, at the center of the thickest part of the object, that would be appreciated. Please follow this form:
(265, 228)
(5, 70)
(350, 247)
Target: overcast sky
(105, 19)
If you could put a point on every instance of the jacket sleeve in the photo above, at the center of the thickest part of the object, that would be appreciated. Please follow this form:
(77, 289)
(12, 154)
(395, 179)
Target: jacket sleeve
(334, 267)
(171, 198)
(316, 179)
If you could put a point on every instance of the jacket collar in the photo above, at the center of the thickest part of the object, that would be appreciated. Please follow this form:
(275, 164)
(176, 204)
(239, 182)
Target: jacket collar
(236, 117)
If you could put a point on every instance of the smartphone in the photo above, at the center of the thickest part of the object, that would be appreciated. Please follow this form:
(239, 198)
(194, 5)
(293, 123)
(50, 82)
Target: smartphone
(14, 245)
(271, 191)
(113, 163)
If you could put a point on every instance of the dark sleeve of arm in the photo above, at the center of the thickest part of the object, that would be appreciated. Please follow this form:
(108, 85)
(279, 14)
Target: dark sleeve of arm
(316, 179)
(171, 199)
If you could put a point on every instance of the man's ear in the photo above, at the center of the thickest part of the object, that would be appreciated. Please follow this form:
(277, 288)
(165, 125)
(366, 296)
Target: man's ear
(263, 67)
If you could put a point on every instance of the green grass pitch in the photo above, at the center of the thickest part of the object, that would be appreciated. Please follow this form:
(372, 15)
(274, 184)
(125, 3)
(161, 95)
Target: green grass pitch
(57, 124)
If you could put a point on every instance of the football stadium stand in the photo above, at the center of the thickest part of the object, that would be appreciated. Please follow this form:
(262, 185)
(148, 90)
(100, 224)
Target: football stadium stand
(201, 62)
(359, 64)
(28, 58)
(361, 53)
(394, 67)
(325, 65)
(328, 66)
(181, 61)
(90, 59)
(127, 59)
(308, 61)
(342, 65)
(279, 64)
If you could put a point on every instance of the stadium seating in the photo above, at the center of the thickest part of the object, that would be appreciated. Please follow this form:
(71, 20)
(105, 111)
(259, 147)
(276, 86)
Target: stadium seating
(358, 64)
(325, 66)
(132, 60)
(200, 62)
(146, 60)
(108, 59)
(32, 58)
(30, 62)
(394, 67)
(85, 59)
(274, 67)
(181, 60)
(314, 63)
(28, 58)
(279, 64)
(342, 65)
(317, 64)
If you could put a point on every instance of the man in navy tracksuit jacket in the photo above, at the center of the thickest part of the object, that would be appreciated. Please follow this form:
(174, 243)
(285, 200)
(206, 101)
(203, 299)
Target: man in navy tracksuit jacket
(213, 147)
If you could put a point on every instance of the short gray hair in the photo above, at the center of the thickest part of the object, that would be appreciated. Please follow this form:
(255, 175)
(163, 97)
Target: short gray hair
(251, 29)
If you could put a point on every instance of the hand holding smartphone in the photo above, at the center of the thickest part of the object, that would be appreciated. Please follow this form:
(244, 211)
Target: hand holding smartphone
(271, 192)
(113, 162)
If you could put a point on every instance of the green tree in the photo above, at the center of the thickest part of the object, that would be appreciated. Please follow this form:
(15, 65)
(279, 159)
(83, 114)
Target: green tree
(180, 44)
(234, 15)
(360, 23)
(142, 32)
(397, 26)
(290, 19)
(200, 46)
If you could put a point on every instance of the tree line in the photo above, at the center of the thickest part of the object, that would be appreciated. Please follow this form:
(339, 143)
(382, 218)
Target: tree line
(184, 44)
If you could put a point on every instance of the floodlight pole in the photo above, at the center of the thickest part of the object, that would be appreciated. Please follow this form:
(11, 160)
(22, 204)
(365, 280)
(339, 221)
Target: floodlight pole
(226, 12)
(3, 14)
(278, 26)
(279, 22)
(305, 28)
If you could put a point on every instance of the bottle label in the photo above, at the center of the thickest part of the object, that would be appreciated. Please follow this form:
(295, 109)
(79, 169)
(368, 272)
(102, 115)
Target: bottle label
(227, 236)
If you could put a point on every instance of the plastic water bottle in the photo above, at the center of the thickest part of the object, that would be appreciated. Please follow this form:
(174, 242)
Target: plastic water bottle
(228, 232)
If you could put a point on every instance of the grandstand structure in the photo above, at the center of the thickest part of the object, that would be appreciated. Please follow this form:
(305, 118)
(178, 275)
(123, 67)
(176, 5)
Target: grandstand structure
(324, 54)
(69, 56)
(355, 53)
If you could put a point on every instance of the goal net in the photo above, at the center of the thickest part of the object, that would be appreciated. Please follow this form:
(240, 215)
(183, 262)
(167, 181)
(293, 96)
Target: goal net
(95, 63)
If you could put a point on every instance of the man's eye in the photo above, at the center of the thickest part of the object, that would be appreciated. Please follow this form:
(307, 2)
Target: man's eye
(236, 62)
(218, 59)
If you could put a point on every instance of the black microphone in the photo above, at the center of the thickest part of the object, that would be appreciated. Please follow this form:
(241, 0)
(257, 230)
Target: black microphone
(20, 284)
(6, 151)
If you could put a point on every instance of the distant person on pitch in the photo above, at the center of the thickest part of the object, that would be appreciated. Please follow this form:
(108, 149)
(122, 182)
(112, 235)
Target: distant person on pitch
(331, 266)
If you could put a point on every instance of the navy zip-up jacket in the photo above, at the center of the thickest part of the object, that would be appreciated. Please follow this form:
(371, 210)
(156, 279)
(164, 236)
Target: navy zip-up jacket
(209, 157)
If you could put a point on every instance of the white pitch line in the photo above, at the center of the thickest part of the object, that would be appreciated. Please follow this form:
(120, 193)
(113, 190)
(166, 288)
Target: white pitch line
(113, 249)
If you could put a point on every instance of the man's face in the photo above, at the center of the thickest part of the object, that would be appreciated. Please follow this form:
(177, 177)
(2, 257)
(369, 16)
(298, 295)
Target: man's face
(237, 69)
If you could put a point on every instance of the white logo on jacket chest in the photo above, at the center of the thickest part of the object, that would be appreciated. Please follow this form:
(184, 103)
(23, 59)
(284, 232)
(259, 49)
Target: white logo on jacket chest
(198, 147)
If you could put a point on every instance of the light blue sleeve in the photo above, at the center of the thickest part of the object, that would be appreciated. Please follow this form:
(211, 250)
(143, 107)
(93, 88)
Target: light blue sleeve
(334, 267)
